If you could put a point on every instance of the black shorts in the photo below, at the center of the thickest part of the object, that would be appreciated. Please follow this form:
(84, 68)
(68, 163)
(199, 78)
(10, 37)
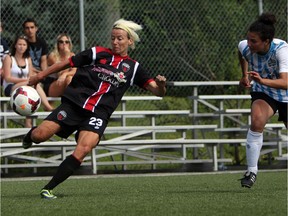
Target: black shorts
(275, 105)
(8, 89)
(73, 118)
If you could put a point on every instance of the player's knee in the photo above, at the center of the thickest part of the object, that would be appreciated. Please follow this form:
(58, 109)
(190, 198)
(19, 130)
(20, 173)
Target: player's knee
(258, 121)
(45, 131)
(86, 149)
(257, 126)
(82, 151)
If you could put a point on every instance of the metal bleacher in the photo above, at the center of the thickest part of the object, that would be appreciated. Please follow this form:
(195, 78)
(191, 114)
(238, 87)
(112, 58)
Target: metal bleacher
(141, 142)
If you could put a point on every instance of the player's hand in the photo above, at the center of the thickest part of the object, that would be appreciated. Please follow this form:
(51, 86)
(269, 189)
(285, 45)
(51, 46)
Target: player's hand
(35, 79)
(255, 76)
(245, 82)
(160, 80)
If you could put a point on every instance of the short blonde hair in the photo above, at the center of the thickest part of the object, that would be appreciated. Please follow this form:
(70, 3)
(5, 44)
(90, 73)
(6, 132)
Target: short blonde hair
(131, 28)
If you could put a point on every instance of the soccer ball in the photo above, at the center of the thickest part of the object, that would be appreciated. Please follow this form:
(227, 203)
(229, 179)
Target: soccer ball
(25, 100)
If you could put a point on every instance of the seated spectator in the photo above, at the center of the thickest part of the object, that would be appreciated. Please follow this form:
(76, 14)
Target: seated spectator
(55, 86)
(17, 69)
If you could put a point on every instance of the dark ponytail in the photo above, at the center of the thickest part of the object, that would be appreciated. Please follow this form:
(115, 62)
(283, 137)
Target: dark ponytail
(267, 18)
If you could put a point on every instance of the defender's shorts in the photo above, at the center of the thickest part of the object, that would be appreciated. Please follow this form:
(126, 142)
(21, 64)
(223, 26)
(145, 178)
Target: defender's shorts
(275, 105)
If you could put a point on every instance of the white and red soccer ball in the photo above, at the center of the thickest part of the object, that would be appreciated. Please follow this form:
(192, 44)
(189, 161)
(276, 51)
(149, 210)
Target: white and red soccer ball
(25, 100)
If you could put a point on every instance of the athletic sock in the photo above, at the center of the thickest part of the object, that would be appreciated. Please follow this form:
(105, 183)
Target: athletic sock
(28, 135)
(65, 169)
(253, 147)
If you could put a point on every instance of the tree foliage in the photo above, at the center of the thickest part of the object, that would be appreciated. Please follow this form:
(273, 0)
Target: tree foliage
(184, 40)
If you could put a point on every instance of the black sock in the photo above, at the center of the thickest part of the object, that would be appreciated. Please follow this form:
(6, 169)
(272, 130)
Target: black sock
(65, 169)
(27, 137)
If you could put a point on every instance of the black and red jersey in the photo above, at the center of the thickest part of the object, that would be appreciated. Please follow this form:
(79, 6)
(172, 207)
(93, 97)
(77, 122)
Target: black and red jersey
(101, 80)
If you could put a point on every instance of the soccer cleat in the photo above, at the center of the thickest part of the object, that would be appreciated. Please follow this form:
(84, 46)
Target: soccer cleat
(47, 194)
(248, 180)
(27, 141)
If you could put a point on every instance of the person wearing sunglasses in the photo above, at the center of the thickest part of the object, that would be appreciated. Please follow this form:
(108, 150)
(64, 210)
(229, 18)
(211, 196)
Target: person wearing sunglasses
(103, 76)
(55, 84)
(17, 68)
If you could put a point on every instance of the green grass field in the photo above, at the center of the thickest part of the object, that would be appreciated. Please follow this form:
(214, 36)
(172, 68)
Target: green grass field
(137, 195)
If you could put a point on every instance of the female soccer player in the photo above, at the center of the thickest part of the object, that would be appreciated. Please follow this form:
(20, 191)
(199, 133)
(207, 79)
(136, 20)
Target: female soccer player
(103, 75)
(264, 61)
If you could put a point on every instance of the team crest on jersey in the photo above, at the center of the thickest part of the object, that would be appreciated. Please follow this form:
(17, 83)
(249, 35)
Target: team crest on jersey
(61, 115)
(272, 63)
(125, 67)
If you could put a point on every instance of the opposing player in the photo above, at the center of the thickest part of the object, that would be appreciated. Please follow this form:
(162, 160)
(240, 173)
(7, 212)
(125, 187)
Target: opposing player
(264, 60)
(103, 76)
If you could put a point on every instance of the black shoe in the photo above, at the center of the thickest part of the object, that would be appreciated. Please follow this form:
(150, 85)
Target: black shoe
(27, 141)
(248, 180)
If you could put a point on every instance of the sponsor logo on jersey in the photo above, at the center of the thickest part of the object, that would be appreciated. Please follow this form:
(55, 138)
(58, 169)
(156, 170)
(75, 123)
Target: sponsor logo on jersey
(109, 79)
(102, 70)
(272, 64)
(108, 76)
(61, 115)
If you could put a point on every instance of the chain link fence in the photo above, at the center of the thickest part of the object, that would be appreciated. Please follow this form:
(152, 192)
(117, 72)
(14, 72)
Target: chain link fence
(186, 40)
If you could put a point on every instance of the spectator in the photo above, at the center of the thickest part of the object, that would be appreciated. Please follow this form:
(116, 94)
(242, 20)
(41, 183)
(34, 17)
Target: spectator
(55, 86)
(103, 76)
(264, 60)
(17, 69)
(38, 46)
(4, 50)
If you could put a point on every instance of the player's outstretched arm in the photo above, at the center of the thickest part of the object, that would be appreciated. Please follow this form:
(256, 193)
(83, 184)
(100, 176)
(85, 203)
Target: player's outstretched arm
(55, 68)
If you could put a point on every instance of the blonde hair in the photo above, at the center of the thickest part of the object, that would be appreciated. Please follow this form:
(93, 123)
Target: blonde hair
(131, 28)
(55, 51)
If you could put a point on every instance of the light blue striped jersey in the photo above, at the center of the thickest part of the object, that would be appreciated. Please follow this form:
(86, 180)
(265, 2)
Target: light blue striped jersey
(269, 66)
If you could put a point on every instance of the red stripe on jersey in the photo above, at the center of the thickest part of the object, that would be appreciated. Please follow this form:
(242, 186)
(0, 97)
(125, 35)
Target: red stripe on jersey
(95, 98)
(71, 63)
(147, 82)
(115, 61)
(102, 49)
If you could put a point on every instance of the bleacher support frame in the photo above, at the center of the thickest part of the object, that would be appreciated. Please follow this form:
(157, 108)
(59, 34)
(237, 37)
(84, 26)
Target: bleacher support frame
(130, 141)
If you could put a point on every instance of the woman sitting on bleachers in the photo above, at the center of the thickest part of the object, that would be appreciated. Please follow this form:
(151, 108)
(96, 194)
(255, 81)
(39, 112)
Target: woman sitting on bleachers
(55, 84)
(17, 67)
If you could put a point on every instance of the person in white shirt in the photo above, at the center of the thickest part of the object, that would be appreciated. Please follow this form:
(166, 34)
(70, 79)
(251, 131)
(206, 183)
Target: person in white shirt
(264, 64)
(17, 69)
